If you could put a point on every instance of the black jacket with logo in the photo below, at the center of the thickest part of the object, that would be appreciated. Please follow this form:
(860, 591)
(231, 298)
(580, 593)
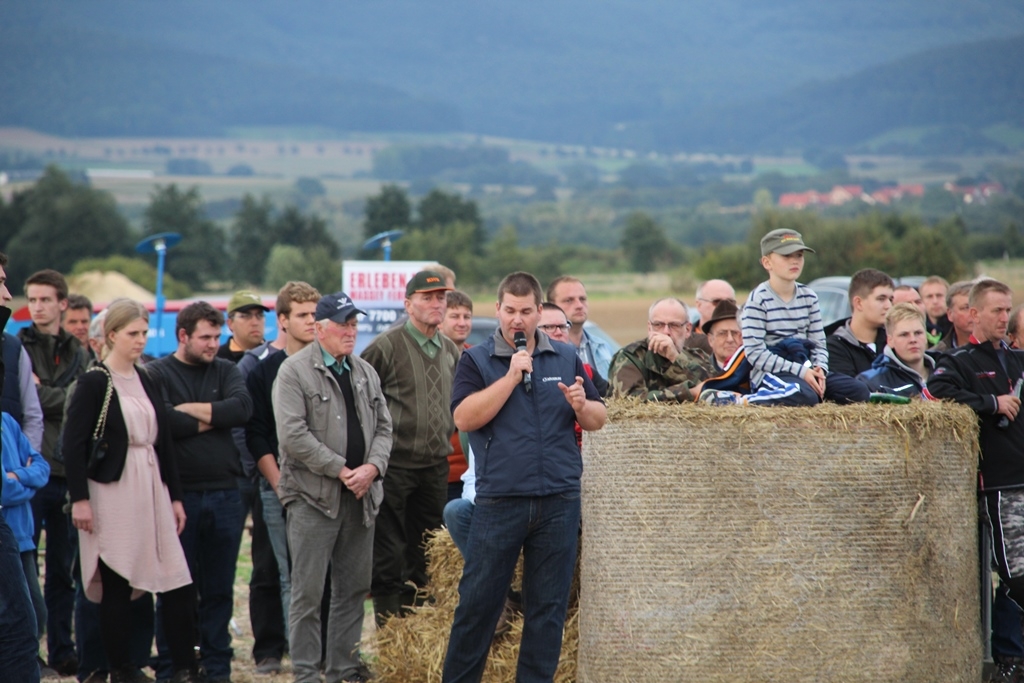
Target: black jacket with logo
(974, 376)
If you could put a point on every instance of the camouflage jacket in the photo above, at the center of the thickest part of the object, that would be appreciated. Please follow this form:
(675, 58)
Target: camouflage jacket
(638, 371)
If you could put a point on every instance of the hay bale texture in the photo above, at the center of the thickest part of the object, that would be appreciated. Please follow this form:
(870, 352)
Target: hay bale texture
(412, 649)
(740, 544)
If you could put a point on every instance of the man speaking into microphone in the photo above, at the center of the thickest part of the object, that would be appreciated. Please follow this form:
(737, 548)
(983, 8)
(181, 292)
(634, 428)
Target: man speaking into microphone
(528, 469)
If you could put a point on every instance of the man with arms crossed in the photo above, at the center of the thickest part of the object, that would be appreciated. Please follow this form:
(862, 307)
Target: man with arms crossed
(520, 409)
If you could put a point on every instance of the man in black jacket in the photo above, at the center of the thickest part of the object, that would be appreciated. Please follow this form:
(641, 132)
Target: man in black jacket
(985, 375)
(858, 341)
(57, 360)
(208, 398)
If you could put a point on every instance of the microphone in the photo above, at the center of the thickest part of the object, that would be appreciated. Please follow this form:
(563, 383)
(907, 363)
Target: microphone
(520, 339)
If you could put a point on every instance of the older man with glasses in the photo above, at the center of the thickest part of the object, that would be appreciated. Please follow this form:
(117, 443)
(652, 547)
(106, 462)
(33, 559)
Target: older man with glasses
(709, 295)
(659, 368)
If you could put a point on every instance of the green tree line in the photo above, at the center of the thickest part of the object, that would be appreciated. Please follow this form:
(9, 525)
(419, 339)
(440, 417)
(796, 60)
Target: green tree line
(58, 223)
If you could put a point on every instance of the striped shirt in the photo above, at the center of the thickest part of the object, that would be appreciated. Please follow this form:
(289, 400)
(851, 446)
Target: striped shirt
(767, 320)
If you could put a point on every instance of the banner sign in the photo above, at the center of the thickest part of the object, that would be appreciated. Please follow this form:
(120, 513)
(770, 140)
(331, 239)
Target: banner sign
(378, 287)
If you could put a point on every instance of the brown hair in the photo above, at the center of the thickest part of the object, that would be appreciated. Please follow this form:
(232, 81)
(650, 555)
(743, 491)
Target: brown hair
(456, 297)
(557, 281)
(934, 280)
(190, 316)
(520, 283)
(901, 312)
(1014, 325)
(49, 277)
(119, 315)
(78, 301)
(295, 292)
(983, 287)
(962, 288)
(865, 280)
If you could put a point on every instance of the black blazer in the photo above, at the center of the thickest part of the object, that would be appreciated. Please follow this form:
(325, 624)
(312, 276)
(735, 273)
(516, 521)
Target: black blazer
(83, 412)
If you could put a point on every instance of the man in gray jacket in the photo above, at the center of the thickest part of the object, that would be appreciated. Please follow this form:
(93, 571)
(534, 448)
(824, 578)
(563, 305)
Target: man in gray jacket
(334, 433)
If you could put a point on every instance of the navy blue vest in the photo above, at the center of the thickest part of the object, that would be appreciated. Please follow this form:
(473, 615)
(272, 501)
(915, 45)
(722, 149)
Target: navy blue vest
(529, 448)
(10, 400)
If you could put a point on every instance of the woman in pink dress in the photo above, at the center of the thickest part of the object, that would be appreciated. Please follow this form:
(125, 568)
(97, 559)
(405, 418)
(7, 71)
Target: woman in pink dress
(127, 507)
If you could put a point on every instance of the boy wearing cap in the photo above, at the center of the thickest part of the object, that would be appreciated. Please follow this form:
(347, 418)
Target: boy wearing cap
(416, 364)
(246, 322)
(334, 440)
(783, 309)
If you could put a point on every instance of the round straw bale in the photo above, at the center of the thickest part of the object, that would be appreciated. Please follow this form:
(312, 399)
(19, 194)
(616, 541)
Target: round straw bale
(837, 543)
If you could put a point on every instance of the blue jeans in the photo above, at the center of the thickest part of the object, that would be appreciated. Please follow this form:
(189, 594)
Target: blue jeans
(212, 535)
(546, 529)
(273, 516)
(31, 570)
(19, 640)
(61, 548)
(458, 514)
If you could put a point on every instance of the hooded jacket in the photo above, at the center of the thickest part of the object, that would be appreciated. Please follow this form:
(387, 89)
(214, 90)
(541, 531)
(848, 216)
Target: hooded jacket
(891, 375)
(17, 493)
(847, 355)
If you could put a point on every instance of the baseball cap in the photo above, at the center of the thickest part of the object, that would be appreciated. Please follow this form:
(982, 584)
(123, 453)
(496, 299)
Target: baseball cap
(337, 307)
(783, 241)
(243, 300)
(426, 281)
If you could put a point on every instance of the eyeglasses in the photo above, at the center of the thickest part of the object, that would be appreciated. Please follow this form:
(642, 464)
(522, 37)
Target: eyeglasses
(715, 302)
(673, 327)
(551, 328)
(727, 334)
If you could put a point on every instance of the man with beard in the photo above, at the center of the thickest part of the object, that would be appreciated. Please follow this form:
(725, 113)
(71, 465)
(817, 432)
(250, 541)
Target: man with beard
(209, 398)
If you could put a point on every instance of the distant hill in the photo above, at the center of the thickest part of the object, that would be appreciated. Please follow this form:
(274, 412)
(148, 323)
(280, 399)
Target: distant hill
(652, 73)
(962, 89)
(91, 84)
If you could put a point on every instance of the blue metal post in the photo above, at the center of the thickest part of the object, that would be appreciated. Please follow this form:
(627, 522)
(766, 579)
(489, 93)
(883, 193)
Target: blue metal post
(161, 252)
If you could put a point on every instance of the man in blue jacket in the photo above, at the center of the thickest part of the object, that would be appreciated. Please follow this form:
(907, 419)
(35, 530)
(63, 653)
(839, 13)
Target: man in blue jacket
(19, 641)
(520, 408)
(24, 472)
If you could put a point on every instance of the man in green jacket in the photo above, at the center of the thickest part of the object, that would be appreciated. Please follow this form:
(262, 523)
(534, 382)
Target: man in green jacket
(416, 364)
(57, 360)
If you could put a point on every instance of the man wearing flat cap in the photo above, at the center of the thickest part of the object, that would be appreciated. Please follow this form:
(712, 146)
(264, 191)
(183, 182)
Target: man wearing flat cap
(334, 440)
(246, 314)
(416, 365)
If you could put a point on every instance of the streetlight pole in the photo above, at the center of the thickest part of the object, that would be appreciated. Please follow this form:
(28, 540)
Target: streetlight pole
(159, 244)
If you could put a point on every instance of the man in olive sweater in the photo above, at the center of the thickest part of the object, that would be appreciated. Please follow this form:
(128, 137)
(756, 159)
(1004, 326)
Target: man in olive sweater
(208, 398)
(416, 365)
